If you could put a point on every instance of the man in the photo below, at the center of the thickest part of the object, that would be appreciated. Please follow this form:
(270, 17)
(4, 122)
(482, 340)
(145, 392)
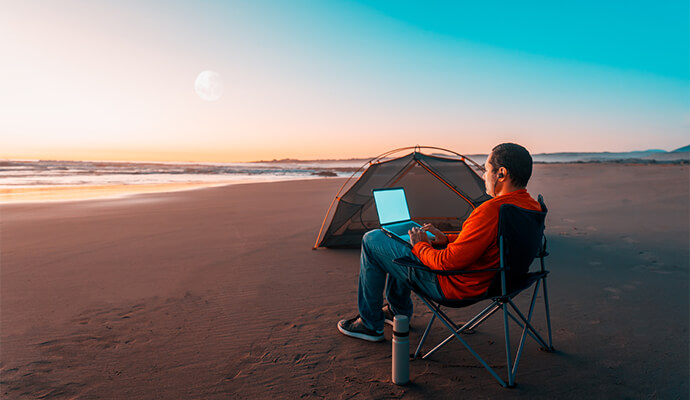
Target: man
(508, 169)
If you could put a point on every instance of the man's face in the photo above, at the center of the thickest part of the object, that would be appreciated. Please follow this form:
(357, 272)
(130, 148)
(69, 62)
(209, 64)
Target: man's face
(489, 179)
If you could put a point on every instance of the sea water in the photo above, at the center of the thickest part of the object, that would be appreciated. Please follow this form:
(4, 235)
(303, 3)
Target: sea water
(46, 180)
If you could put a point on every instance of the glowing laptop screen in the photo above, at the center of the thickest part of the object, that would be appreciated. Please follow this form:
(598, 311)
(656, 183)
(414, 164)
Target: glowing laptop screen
(391, 205)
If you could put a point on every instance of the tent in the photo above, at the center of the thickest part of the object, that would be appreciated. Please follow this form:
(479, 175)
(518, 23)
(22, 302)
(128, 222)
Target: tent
(441, 189)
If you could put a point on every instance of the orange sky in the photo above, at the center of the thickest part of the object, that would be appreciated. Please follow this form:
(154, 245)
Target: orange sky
(115, 81)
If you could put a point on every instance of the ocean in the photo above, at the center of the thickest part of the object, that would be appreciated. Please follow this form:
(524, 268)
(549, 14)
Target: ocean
(46, 180)
(14, 174)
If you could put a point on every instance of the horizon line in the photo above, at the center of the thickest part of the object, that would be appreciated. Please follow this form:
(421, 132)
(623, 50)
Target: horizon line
(288, 159)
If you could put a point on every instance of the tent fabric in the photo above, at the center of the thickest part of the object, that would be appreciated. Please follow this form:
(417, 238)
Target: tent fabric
(440, 190)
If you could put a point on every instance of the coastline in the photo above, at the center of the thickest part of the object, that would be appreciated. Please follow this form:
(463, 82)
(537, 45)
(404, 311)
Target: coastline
(61, 193)
(52, 194)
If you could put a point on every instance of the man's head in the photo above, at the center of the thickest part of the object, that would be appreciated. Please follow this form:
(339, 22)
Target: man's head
(508, 168)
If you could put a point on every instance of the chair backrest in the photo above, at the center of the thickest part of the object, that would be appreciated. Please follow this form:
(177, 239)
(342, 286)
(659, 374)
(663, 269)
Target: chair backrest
(522, 233)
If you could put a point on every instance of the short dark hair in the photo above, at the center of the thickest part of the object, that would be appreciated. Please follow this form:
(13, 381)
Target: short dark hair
(514, 158)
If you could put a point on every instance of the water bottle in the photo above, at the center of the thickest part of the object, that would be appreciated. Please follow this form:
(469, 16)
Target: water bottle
(401, 349)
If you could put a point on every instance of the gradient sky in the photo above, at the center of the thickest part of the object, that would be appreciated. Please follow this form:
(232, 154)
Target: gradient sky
(338, 79)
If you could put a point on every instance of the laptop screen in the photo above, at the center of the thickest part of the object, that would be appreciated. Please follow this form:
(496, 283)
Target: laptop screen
(391, 205)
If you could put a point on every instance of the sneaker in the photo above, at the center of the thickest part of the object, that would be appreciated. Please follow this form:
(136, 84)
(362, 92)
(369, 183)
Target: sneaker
(388, 314)
(355, 328)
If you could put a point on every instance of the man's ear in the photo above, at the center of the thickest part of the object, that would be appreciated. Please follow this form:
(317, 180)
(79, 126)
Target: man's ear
(502, 172)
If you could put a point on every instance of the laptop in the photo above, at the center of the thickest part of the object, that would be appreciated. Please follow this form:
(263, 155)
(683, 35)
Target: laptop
(394, 214)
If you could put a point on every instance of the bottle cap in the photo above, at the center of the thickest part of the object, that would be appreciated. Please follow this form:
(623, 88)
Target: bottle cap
(401, 325)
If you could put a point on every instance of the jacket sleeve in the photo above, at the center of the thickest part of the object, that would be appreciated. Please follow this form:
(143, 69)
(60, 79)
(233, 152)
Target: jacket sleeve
(478, 233)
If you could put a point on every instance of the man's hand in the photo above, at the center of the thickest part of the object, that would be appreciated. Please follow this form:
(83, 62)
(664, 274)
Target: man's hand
(417, 235)
(440, 238)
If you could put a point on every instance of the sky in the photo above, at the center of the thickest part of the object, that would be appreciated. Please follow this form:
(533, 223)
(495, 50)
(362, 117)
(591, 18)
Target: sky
(115, 80)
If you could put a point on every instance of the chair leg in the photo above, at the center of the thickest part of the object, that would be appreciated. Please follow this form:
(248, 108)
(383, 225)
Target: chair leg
(548, 317)
(522, 326)
(426, 332)
(495, 306)
(531, 331)
(507, 340)
(535, 335)
(525, 330)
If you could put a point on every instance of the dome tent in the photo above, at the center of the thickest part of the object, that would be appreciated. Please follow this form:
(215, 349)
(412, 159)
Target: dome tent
(441, 189)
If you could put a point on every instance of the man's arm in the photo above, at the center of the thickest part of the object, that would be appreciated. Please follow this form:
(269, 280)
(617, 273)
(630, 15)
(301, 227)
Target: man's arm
(478, 233)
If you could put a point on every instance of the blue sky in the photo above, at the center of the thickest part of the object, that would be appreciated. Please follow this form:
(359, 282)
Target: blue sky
(338, 79)
(644, 36)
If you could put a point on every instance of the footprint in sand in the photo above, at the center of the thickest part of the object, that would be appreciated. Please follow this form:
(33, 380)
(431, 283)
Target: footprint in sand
(649, 256)
(655, 268)
(599, 246)
(614, 293)
(35, 382)
(652, 263)
(565, 334)
(131, 311)
(573, 231)
(628, 239)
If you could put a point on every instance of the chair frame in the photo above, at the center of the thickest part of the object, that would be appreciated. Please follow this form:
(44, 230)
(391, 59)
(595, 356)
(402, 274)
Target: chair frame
(502, 301)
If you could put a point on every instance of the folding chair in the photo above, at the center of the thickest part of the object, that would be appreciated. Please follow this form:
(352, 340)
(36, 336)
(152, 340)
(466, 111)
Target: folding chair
(521, 240)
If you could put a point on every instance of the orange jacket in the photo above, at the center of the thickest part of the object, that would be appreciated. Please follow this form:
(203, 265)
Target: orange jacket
(475, 248)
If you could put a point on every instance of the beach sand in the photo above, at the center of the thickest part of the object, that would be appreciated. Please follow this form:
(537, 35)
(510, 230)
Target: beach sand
(215, 293)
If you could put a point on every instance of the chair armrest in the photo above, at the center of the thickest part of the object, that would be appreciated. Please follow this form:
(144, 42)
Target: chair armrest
(412, 263)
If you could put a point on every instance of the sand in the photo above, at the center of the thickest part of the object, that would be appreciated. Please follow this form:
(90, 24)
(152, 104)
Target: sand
(215, 293)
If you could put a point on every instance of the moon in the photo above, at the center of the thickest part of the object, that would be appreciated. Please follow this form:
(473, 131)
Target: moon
(208, 85)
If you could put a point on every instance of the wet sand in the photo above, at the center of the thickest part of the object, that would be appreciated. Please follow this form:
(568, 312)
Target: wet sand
(215, 293)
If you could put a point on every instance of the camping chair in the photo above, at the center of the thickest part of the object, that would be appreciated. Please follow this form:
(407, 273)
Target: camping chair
(521, 240)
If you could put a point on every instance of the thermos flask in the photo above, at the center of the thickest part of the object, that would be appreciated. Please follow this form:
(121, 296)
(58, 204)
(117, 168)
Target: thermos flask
(401, 349)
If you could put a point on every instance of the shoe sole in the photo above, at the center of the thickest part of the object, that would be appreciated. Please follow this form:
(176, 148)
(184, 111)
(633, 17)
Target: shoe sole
(362, 336)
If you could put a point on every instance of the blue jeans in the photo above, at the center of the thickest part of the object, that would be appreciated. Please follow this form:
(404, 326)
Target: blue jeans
(376, 263)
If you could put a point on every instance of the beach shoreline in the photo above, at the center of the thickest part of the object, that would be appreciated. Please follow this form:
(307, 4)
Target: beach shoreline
(216, 293)
(66, 193)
